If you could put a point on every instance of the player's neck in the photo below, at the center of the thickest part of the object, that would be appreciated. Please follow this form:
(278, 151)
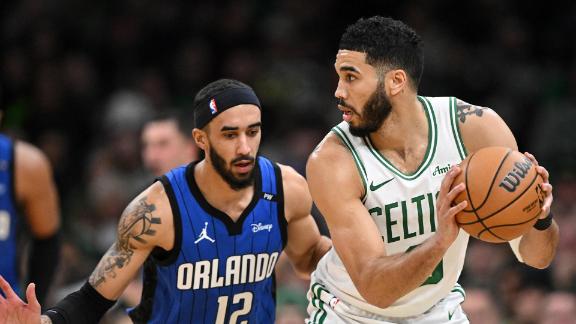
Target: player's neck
(405, 130)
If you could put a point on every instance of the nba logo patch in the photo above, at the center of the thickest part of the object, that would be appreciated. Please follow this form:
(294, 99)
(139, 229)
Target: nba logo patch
(213, 108)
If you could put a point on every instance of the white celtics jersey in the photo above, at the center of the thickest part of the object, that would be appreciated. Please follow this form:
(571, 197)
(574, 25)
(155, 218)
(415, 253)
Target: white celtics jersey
(403, 208)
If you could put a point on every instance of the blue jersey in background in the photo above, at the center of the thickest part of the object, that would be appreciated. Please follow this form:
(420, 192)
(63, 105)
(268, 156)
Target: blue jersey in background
(8, 215)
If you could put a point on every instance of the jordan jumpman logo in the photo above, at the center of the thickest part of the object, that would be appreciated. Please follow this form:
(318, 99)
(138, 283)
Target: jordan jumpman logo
(203, 235)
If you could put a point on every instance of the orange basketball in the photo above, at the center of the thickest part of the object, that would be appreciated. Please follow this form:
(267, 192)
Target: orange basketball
(503, 193)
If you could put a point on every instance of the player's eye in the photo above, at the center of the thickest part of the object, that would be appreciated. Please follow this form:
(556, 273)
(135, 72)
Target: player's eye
(253, 132)
(350, 77)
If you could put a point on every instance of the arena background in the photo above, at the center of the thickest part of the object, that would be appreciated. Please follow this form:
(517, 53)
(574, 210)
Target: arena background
(80, 77)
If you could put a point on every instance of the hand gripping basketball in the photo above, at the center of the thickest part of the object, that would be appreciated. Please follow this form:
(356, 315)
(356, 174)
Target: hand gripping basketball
(447, 208)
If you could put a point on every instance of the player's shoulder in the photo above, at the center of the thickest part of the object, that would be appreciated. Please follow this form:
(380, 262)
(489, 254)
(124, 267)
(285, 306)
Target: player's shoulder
(468, 114)
(474, 115)
(296, 193)
(32, 169)
(29, 156)
(481, 126)
(148, 218)
(291, 179)
(331, 149)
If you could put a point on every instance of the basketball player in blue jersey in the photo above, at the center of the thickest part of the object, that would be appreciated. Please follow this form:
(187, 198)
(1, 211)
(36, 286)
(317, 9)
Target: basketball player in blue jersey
(388, 201)
(28, 199)
(208, 234)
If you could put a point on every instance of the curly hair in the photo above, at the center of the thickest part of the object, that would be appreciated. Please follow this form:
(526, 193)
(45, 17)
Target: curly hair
(386, 42)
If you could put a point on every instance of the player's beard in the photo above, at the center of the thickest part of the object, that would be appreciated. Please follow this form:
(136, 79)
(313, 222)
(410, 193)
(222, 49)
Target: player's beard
(234, 182)
(375, 112)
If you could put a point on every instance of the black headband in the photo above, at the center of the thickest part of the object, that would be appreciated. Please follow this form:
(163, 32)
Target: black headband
(208, 110)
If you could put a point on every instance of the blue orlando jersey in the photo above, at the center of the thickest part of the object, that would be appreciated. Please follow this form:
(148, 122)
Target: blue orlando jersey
(8, 216)
(219, 271)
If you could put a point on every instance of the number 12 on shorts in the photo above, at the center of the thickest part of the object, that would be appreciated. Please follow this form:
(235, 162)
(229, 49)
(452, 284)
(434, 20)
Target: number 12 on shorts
(245, 298)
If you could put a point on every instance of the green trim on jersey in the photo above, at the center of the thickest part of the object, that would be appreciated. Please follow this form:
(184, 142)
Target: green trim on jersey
(320, 314)
(359, 165)
(457, 288)
(430, 150)
(456, 129)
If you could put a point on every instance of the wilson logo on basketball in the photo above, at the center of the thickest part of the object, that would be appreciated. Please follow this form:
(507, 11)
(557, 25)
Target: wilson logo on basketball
(516, 175)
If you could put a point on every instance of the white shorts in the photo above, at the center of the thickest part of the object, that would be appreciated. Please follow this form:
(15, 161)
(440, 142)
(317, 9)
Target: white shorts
(325, 308)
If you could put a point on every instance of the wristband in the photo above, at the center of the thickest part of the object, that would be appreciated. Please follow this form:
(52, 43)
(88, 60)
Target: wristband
(544, 223)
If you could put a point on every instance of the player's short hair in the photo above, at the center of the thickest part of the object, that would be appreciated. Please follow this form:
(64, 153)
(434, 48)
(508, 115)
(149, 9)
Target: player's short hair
(387, 42)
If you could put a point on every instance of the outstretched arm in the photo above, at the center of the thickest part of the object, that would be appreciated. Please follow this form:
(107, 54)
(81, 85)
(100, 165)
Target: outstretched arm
(482, 127)
(145, 224)
(305, 245)
(37, 195)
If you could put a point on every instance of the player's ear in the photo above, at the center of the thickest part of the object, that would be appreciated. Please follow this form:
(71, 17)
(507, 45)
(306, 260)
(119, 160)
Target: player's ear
(396, 80)
(200, 138)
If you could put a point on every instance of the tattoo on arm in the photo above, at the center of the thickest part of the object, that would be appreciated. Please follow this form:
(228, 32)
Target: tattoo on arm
(136, 224)
(464, 109)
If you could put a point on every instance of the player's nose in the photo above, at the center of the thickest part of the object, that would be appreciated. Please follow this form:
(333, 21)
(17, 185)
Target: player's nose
(243, 147)
(340, 92)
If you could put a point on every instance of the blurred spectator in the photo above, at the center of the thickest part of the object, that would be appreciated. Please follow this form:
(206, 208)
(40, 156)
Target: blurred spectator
(480, 307)
(527, 305)
(167, 143)
(558, 308)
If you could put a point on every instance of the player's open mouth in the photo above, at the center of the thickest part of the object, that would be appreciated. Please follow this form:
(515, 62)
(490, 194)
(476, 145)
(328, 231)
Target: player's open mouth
(244, 166)
(243, 163)
(346, 113)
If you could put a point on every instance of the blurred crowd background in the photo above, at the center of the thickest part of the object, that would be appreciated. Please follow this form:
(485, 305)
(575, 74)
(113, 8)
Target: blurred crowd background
(79, 79)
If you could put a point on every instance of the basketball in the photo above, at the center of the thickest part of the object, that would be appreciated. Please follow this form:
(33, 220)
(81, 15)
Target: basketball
(503, 193)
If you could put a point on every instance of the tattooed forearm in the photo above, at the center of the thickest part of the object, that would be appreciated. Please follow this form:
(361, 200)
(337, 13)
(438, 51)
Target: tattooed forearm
(464, 109)
(135, 224)
(114, 259)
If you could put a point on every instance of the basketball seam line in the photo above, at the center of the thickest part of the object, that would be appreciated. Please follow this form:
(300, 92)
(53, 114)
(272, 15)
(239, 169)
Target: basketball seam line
(492, 183)
(472, 204)
(506, 206)
(504, 225)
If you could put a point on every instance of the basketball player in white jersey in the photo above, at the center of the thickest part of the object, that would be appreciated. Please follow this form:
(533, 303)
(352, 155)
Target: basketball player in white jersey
(382, 179)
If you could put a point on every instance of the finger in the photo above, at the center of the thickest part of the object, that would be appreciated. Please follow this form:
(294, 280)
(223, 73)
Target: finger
(458, 208)
(543, 173)
(531, 157)
(31, 296)
(455, 192)
(547, 202)
(5, 286)
(546, 187)
(448, 180)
